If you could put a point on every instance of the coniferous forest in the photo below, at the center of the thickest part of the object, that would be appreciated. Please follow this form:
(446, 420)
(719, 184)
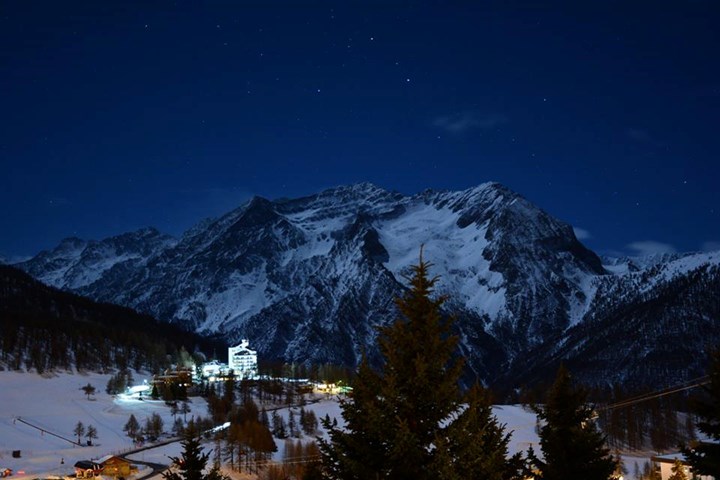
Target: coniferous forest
(44, 328)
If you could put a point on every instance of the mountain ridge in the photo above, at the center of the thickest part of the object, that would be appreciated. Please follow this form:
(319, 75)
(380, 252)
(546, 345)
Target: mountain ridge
(311, 278)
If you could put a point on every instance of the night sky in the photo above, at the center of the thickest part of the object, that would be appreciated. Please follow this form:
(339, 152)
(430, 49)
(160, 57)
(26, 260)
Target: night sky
(121, 115)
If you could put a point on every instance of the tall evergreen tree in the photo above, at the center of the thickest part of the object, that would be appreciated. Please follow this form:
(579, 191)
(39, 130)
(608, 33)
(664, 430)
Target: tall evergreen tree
(185, 409)
(132, 428)
(407, 420)
(192, 462)
(704, 457)
(571, 444)
(475, 445)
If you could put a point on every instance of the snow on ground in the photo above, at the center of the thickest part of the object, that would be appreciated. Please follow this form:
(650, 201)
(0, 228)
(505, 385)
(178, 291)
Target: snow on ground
(521, 423)
(55, 404)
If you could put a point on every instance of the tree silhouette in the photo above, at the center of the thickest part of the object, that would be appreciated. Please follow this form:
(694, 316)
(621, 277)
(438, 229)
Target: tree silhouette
(409, 419)
(91, 434)
(192, 462)
(704, 457)
(79, 431)
(571, 444)
(132, 428)
(89, 390)
(185, 409)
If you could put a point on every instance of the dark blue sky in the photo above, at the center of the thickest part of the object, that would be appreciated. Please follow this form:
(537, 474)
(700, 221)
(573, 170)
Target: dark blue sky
(119, 115)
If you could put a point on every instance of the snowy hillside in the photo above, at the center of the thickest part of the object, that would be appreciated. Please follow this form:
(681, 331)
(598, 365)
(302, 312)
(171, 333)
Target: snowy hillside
(55, 405)
(25, 396)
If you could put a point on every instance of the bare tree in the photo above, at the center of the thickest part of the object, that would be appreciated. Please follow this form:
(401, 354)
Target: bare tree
(91, 434)
(79, 431)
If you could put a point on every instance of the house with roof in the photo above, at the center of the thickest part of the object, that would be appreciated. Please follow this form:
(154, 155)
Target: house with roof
(87, 469)
(666, 462)
(114, 466)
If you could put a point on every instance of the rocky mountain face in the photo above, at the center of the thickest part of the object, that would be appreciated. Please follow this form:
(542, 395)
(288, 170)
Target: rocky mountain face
(649, 328)
(76, 263)
(311, 279)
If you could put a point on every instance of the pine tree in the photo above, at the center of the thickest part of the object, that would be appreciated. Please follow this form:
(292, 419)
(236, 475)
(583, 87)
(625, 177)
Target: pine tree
(112, 386)
(294, 430)
(678, 471)
(279, 427)
(264, 418)
(191, 464)
(407, 419)
(132, 427)
(571, 444)
(154, 394)
(704, 458)
(153, 427)
(185, 409)
(475, 445)
(308, 421)
(178, 427)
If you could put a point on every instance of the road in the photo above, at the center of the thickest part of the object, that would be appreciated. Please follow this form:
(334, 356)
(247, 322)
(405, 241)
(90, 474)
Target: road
(157, 468)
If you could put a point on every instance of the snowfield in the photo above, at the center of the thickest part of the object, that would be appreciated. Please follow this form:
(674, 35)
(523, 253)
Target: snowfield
(56, 403)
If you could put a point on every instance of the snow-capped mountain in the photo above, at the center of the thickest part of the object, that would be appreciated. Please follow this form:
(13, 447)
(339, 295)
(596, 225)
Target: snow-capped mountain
(312, 278)
(647, 328)
(76, 263)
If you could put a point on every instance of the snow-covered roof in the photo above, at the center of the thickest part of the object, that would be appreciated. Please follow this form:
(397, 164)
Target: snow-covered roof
(669, 457)
(104, 459)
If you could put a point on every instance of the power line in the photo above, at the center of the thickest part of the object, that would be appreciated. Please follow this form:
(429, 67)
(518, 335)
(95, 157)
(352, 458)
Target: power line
(697, 382)
(286, 461)
(44, 430)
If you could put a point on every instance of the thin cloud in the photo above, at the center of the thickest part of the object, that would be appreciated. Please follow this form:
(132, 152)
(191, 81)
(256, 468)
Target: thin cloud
(462, 122)
(650, 247)
(642, 136)
(581, 233)
(712, 246)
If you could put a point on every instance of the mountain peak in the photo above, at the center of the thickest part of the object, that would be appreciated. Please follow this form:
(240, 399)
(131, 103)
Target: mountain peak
(356, 190)
(291, 273)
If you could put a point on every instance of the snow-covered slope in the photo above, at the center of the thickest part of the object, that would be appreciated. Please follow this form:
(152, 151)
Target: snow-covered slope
(651, 326)
(76, 263)
(311, 279)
